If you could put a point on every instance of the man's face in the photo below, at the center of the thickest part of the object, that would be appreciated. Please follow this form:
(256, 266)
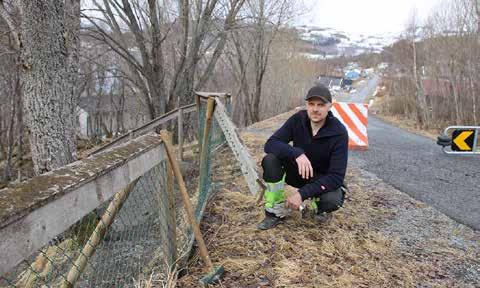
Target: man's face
(317, 110)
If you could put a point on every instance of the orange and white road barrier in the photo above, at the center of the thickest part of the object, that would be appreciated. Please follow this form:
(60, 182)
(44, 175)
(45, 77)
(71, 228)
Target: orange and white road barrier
(355, 118)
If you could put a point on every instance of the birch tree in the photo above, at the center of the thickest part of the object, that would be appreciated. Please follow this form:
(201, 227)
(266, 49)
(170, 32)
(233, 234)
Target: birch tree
(423, 114)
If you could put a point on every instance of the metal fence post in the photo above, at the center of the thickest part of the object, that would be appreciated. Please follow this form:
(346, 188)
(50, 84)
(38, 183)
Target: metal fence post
(203, 178)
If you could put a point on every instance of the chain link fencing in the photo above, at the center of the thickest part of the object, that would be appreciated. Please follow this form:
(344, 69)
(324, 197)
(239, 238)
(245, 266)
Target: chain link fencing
(141, 231)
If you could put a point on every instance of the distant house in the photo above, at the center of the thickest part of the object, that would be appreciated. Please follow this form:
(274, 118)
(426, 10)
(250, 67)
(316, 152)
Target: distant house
(353, 74)
(367, 72)
(347, 82)
(109, 114)
(382, 66)
(82, 121)
(330, 81)
(352, 65)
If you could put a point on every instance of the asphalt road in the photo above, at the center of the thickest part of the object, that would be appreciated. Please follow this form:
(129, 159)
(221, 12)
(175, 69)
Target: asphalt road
(361, 94)
(416, 165)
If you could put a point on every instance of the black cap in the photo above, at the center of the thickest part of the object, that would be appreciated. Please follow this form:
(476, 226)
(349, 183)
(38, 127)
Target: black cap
(321, 92)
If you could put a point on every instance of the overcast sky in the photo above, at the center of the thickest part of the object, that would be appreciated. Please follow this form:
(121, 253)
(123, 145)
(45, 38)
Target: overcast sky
(364, 16)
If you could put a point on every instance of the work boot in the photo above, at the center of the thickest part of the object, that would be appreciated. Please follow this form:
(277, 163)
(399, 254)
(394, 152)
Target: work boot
(269, 222)
(322, 218)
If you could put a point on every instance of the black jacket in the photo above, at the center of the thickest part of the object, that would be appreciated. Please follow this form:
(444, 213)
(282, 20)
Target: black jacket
(327, 150)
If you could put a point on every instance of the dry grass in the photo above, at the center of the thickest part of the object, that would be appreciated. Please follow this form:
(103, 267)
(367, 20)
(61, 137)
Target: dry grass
(299, 253)
(353, 250)
(158, 280)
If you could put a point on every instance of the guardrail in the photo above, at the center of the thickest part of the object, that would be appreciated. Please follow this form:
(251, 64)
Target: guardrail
(178, 114)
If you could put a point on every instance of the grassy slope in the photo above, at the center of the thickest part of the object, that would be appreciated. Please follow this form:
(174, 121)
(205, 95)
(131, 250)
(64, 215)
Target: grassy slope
(381, 238)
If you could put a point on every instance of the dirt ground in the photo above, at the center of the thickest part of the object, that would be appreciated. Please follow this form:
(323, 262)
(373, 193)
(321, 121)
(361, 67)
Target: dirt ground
(380, 238)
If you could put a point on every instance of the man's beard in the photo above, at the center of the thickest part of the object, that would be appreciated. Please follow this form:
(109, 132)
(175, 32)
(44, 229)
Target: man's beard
(317, 118)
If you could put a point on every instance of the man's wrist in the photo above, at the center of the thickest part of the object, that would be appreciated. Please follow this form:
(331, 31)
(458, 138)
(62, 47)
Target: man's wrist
(308, 192)
(302, 195)
(297, 152)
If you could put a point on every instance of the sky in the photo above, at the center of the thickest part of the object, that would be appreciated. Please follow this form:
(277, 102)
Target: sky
(366, 17)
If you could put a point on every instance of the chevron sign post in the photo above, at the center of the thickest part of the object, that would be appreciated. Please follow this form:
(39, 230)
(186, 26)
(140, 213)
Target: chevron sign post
(463, 140)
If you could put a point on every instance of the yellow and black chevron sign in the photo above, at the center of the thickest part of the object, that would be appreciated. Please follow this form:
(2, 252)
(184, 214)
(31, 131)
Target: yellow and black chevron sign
(463, 140)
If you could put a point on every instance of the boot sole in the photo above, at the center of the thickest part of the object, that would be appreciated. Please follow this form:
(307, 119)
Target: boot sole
(259, 227)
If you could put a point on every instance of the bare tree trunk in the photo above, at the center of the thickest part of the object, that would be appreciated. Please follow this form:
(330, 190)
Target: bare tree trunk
(71, 16)
(474, 106)
(49, 62)
(150, 26)
(7, 172)
(121, 111)
(267, 15)
(453, 85)
(156, 52)
(477, 10)
(20, 126)
(20, 141)
(472, 92)
(259, 60)
(3, 153)
(15, 114)
(180, 66)
(229, 23)
(420, 96)
(185, 86)
(241, 78)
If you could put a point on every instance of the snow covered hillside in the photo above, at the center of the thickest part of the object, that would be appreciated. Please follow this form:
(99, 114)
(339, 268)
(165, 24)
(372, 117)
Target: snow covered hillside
(331, 43)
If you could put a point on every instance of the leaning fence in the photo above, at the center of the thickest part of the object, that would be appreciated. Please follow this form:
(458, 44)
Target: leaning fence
(114, 218)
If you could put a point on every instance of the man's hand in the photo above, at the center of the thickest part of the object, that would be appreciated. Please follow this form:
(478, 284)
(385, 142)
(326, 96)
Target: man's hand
(304, 166)
(294, 201)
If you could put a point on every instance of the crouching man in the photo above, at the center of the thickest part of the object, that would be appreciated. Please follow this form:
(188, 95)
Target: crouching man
(315, 164)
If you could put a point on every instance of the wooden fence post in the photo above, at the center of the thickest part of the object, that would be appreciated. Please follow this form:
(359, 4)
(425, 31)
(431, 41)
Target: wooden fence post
(199, 118)
(169, 226)
(186, 202)
(97, 235)
(206, 129)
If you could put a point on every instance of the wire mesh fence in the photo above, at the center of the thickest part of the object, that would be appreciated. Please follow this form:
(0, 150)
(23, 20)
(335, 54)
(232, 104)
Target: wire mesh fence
(142, 230)
(128, 250)
(217, 136)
